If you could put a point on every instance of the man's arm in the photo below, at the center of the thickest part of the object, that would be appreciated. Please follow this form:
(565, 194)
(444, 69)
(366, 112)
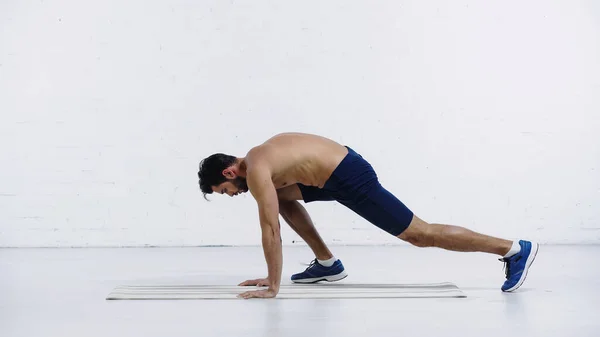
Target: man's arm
(262, 189)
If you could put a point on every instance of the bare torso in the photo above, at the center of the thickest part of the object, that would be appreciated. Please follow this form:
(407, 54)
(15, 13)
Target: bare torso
(299, 158)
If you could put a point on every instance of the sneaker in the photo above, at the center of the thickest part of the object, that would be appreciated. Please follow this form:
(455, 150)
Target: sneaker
(317, 272)
(516, 266)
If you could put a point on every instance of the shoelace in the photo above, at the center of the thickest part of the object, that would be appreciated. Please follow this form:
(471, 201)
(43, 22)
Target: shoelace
(311, 264)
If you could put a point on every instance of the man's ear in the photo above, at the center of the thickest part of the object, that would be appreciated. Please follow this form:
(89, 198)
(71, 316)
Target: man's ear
(229, 173)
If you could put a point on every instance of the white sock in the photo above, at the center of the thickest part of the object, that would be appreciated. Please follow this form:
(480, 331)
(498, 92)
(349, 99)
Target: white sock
(327, 263)
(514, 249)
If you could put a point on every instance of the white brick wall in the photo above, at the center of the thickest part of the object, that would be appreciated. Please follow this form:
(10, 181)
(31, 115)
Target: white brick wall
(474, 113)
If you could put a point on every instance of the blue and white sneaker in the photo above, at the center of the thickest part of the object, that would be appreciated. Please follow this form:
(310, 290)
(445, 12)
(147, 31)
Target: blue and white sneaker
(518, 265)
(317, 272)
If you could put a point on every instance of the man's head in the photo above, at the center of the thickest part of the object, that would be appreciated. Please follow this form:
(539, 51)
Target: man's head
(220, 173)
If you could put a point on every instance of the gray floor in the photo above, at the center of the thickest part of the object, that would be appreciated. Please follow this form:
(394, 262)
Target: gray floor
(61, 292)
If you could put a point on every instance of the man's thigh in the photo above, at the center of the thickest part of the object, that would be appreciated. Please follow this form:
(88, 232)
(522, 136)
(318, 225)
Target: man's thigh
(383, 209)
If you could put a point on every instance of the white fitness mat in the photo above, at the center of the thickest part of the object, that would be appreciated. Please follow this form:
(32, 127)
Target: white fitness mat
(304, 291)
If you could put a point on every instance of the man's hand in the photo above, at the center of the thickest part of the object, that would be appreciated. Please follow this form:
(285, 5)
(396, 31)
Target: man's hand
(259, 282)
(267, 293)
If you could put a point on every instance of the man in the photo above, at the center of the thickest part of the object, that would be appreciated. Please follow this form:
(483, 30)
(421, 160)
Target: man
(296, 166)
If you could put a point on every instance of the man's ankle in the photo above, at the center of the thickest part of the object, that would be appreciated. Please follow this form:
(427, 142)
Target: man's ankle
(328, 262)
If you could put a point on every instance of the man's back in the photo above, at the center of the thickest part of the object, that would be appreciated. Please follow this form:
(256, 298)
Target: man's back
(299, 158)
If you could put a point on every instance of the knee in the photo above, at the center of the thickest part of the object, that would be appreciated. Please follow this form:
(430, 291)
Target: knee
(419, 233)
(420, 240)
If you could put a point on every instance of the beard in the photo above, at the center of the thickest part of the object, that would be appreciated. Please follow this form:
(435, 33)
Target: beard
(240, 183)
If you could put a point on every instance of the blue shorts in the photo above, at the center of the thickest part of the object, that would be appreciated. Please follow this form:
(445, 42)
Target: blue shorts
(354, 184)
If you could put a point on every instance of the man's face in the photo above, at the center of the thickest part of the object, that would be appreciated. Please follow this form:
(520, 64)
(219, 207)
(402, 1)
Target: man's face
(232, 187)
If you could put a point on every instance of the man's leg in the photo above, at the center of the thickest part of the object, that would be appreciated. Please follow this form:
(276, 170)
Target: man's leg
(455, 238)
(518, 256)
(383, 209)
(326, 266)
(297, 218)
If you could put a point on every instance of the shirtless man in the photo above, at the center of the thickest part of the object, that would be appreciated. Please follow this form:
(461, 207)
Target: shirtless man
(295, 166)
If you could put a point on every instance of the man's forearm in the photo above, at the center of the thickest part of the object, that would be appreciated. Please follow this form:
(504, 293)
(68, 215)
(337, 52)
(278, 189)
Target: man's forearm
(271, 240)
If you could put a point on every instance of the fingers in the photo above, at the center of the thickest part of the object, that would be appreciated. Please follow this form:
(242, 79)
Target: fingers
(247, 295)
(250, 282)
(257, 282)
(257, 294)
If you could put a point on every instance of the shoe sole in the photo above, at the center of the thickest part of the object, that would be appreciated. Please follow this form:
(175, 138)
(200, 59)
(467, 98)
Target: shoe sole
(528, 263)
(330, 278)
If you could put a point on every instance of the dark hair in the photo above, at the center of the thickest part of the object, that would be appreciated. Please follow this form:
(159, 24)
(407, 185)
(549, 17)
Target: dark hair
(210, 171)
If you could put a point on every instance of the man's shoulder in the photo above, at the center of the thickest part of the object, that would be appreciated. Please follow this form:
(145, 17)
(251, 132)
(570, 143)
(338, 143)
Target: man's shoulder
(258, 157)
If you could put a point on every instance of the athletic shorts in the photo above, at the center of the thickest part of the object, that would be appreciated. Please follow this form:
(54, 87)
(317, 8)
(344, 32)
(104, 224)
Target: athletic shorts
(355, 185)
